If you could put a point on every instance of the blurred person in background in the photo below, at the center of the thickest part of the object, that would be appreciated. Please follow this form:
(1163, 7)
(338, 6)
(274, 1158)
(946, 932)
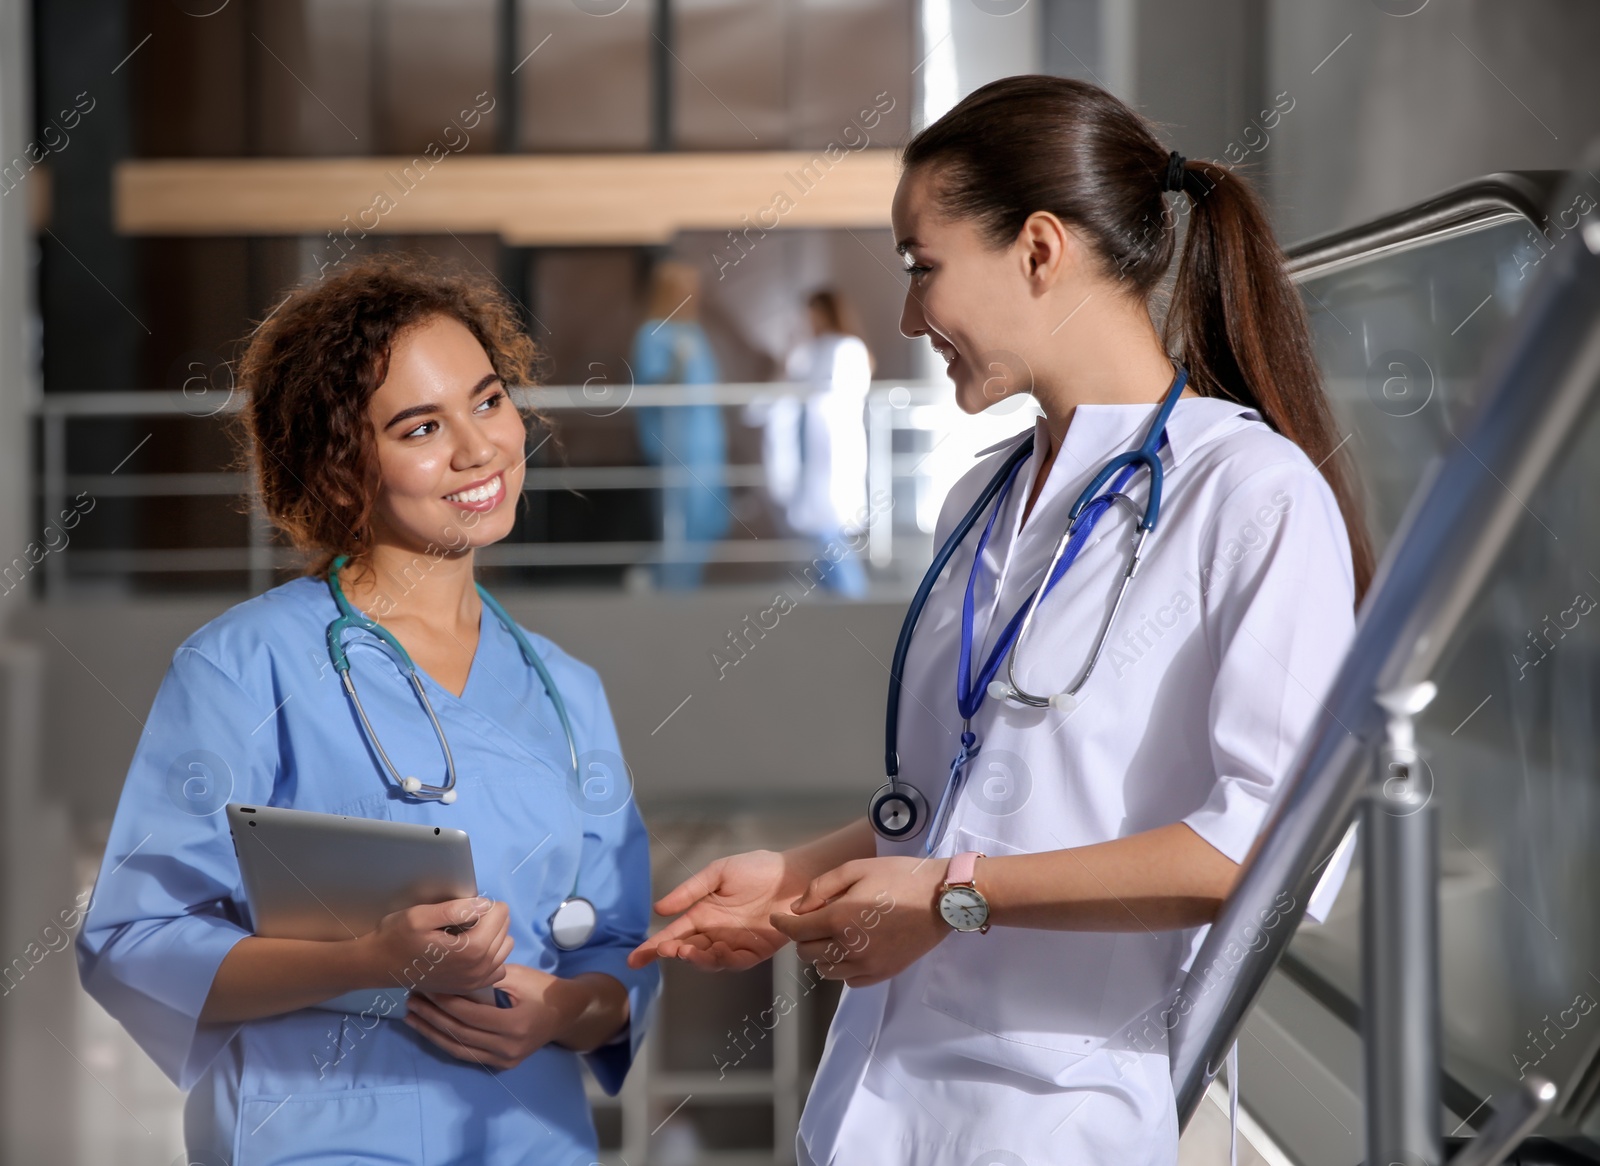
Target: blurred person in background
(387, 449)
(670, 348)
(814, 448)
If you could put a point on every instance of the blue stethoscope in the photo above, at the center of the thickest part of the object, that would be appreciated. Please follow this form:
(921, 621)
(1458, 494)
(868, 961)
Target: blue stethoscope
(574, 920)
(897, 810)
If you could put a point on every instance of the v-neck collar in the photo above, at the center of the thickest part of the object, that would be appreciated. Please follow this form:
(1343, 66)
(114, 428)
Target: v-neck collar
(473, 668)
(1101, 431)
(484, 622)
(477, 705)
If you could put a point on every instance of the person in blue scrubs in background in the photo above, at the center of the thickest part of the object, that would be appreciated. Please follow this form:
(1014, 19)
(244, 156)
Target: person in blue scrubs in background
(670, 348)
(380, 428)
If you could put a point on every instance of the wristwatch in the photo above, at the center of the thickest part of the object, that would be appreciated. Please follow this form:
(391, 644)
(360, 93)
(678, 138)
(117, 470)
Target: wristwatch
(961, 904)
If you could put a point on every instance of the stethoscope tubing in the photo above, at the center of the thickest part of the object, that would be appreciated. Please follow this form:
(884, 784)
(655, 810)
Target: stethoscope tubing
(1023, 696)
(438, 732)
(538, 665)
(1123, 466)
(918, 601)
(572, 923)
(349, 617)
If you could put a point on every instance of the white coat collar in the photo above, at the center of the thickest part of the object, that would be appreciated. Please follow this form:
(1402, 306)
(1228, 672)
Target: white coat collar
(1096, 428)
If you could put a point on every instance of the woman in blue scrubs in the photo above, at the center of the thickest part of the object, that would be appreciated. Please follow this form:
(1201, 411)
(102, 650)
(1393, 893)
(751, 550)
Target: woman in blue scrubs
(671, 348)
(380, 429)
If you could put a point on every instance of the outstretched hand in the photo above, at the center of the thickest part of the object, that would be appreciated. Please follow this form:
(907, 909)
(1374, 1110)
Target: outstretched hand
(867, 920)
(726, 911)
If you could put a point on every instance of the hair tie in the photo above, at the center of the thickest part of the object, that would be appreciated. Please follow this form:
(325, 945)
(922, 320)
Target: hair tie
(1173, 179)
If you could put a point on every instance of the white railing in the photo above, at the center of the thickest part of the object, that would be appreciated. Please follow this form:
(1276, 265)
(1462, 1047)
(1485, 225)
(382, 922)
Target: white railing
(918, 444)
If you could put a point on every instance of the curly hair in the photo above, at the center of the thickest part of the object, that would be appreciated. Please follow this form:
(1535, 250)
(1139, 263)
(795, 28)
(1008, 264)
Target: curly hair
(309, 372)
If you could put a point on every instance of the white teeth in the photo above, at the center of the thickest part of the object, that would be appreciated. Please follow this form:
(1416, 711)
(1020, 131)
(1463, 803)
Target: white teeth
(478, 493)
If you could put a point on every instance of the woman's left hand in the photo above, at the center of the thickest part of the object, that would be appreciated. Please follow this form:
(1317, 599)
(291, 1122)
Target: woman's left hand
(543, 1008)
(868, 919)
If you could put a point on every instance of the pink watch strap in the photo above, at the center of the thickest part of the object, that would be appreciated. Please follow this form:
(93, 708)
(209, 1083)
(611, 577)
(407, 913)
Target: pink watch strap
(962, 868)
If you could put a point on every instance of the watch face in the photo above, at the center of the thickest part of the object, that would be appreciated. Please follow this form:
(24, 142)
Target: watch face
(964, 909)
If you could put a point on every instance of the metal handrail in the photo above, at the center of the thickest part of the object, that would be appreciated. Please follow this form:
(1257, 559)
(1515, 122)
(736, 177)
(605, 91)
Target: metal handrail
(1538, 386)
(1471, 206)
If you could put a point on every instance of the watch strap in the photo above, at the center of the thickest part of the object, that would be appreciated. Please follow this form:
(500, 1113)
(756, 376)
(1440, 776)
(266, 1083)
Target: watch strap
(962, 869)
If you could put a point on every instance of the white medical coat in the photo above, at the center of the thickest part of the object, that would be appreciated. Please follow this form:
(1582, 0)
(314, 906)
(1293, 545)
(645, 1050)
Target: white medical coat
(823, 489)
(252, 711)
(1049, 1046)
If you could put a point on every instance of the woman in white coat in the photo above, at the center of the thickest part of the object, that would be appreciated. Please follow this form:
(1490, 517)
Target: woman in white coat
(816, 448)
(1085, 848)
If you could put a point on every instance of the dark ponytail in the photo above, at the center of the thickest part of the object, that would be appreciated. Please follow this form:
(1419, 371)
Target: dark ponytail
(1026, 144)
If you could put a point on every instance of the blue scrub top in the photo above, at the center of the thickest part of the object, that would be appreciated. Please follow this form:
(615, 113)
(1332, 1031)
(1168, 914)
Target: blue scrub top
(252, 711)
(692, 435)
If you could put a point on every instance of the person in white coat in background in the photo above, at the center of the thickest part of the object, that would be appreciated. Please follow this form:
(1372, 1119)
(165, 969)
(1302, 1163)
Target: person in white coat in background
(1015, 915)
(815, 448)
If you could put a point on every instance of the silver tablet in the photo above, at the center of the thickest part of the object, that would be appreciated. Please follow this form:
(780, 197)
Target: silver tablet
(327, 876)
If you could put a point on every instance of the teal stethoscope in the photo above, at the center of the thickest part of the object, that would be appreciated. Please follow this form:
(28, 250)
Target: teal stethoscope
(898, 811)
(574, 921)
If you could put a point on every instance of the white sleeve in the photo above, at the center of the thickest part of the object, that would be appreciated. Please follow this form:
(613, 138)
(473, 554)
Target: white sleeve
(1277, 589)
(797, 366)
(852, 368)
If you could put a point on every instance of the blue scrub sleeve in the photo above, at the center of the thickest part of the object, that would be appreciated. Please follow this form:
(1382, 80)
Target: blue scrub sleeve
(653, 355)
(1278, 590)
(167, 906)
(652, 365)
(615, 876)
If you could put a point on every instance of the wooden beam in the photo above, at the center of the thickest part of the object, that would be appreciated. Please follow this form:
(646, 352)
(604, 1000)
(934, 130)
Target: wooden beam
(528, 200)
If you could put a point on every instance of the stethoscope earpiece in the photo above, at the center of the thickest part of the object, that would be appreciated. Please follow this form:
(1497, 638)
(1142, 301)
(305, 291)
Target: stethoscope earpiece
(411, 784)
(1062, 701)
(897, 811)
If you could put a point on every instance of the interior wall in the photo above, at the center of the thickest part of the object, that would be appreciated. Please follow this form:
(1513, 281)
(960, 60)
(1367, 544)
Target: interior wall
(1370, 106)
(1391, 108)
(1197, 71)
(37, 987)
(17, 336)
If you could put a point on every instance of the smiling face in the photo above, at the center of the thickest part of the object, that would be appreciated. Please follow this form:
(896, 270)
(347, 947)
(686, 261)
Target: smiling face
(449, 442)
(979, 305)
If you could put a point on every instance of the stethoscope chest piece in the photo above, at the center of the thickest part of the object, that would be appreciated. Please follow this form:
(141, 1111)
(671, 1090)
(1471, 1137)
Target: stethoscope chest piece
(898, 811)
(573, 923)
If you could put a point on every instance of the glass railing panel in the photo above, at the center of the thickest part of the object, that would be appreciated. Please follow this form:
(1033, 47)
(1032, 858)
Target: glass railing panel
(1511, 738)
(1401, 340)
